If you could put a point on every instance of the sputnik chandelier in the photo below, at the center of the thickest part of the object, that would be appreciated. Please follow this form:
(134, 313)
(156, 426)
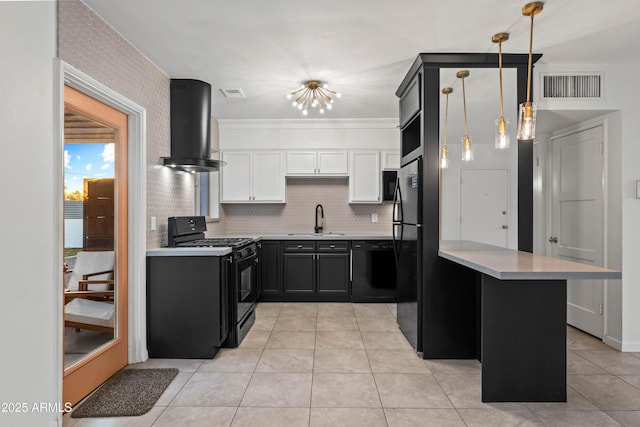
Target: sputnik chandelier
(313, 94)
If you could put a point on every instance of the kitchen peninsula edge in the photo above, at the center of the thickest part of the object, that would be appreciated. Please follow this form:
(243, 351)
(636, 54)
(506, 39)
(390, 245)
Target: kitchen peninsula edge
(522, 303)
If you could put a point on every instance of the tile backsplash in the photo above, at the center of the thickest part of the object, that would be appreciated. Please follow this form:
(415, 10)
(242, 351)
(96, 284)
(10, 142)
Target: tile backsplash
(298, 214)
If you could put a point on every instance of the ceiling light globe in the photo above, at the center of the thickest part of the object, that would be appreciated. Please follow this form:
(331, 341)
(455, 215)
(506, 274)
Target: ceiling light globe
(329, 107)
(305, 112)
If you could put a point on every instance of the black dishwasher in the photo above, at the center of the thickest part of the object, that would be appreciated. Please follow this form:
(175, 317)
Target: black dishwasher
(373, 271)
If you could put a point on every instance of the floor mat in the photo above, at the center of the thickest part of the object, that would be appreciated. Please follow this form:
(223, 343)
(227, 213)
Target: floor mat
(130, 392)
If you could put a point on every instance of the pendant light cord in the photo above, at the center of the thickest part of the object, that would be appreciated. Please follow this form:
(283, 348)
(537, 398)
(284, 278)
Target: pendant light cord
(530, 59)
(464, 104)
(500, 65)
(446, 120)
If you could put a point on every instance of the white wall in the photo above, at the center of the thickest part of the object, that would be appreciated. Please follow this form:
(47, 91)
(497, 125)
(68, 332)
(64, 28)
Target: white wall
(622, 297)
(31, 237)
(307, 134)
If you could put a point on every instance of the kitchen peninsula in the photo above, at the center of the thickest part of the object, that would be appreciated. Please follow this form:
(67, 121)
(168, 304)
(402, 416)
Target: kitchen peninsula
(522, 317)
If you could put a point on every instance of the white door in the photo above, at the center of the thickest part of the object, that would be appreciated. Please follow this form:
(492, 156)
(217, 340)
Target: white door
(484, 201)
(301, 162)
(236, 177)
(332, 162)
(364, 177)
(268, 176)
(578, 228)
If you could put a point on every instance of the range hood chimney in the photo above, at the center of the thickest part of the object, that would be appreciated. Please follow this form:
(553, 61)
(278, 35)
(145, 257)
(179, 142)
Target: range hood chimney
(191, 127)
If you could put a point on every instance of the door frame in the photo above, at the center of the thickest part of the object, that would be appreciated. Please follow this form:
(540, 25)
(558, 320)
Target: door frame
(66, 74)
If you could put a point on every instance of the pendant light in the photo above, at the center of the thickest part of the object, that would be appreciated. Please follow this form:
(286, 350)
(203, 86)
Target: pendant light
(467, 153)
(502, 125)
(527, 110)
(443, 157)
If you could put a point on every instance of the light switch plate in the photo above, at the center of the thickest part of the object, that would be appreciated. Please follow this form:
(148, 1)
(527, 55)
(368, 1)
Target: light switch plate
(374, 217)
(154, 223)
(637, 189)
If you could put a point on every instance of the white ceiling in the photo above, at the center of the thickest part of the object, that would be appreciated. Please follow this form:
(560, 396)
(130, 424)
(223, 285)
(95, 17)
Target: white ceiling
(362, 48)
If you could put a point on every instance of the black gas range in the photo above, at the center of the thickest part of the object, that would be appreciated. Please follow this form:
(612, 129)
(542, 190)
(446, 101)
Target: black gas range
(188, 232)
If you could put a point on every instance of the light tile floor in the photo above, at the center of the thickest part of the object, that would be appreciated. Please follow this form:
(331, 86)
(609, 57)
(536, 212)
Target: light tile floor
(326, 364)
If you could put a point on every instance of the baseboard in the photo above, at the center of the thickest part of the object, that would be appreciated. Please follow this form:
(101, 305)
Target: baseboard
(612, 342)
(626, 347)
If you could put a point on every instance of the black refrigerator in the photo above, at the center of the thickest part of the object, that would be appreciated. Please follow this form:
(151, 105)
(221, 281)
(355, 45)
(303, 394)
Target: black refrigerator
(407, 238)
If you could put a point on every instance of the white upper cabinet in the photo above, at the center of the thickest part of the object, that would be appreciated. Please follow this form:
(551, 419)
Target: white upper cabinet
(390, 159)
(364, 177)
(317, 163)
(253, 177)
(333, 163)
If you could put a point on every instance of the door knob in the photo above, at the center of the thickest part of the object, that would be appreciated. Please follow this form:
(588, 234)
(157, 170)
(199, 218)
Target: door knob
(504, 227)
(553, 239)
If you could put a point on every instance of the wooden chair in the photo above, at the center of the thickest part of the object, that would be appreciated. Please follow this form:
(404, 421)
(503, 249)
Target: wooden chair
(89, 292)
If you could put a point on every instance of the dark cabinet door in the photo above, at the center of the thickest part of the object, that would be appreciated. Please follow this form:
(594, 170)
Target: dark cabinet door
(270, 268)
(299, 273)
(333, 273)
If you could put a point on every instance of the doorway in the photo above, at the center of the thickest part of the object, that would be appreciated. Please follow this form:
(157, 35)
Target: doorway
(96, 243)
(578, 220)
(484, 204)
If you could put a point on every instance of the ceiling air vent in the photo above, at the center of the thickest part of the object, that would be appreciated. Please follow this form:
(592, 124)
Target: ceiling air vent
(572, 86)
(232, 93)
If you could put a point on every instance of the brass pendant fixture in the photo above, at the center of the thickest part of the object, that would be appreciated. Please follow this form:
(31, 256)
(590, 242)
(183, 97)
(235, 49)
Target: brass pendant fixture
(313, 94)
(443, 157)
(502, 125)
(467, 152)
(527, 110)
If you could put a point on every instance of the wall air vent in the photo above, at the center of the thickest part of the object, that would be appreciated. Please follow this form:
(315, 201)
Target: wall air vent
(232, 93)
(572, 86)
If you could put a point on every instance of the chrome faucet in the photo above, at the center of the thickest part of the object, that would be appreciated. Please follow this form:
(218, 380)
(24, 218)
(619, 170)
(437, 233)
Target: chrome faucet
(318, 228)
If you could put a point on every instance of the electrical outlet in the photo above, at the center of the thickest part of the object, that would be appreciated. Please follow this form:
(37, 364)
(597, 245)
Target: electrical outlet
(374, 217)
(154, 223)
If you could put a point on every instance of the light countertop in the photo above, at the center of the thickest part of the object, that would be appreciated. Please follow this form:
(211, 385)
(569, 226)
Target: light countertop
(189, 251)
(310, 236)
(509, 264)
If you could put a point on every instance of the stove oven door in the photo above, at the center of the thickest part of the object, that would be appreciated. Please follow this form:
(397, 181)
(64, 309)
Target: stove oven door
(246, 285)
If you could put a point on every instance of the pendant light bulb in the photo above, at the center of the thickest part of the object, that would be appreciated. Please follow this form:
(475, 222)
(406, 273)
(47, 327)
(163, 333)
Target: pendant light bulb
(527, 110)
(444, 163)
(502, 125)
(467, 151)
(502, 133)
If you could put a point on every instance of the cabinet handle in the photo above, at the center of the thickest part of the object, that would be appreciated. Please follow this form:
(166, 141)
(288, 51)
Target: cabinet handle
(299, 246)
(332, 246)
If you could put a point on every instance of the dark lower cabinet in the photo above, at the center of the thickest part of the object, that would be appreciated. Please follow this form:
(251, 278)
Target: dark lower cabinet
(305, 271)
(333, 274)
(299, 274)
(270, 276)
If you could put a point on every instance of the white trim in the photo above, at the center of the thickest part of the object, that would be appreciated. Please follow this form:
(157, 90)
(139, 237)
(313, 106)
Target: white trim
(238, 124)
(71, 76)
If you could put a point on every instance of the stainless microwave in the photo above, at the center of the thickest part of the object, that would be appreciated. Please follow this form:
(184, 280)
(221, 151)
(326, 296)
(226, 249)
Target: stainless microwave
(388, 185)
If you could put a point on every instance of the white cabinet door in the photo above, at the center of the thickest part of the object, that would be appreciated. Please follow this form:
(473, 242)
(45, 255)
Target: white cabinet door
(268, 176)
(301, 163)
(236, 177)
(390, 159)
(364, 177)
(332, 163)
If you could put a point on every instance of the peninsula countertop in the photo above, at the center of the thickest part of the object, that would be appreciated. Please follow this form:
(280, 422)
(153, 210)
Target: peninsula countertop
(509, 264)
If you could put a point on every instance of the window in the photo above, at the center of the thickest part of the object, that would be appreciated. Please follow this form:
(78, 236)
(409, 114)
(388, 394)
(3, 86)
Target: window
(207, 192)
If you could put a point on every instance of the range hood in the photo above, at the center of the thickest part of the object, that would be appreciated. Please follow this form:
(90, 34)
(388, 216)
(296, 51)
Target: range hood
(191, 127)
